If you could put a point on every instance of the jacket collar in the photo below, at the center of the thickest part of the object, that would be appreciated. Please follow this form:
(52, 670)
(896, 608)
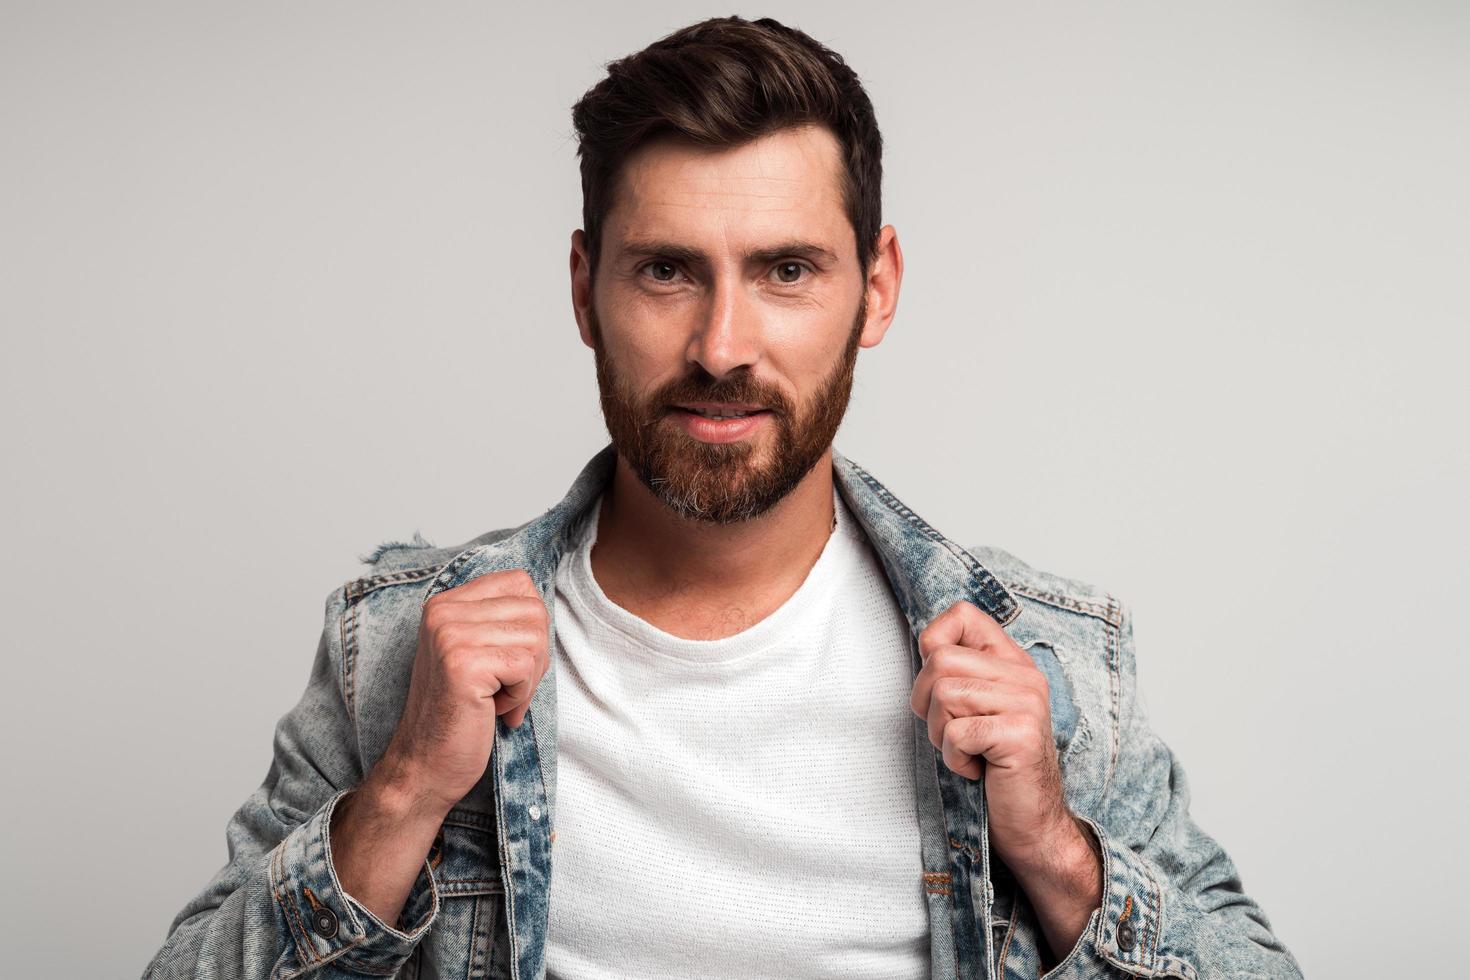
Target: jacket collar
(927, 571)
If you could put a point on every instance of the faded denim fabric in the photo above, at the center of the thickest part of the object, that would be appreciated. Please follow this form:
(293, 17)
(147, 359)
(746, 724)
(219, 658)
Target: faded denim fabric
(1173, 905)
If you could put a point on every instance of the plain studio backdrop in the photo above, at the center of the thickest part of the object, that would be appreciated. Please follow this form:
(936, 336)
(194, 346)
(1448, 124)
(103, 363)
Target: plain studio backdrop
(1184, 317)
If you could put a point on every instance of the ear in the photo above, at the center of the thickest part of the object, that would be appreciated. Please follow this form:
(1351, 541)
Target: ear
(581, 270)
(885, 276)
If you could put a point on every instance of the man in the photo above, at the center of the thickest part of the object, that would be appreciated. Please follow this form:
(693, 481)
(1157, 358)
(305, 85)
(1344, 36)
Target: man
(757, 716)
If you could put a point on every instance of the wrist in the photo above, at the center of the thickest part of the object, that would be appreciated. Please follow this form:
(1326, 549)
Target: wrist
(393, 792)
(380, 835)
(1065, 862)
(1063, 879)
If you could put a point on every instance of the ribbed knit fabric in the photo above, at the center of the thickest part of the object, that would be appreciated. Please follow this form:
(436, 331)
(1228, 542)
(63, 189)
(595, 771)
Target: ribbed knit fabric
(741, 807)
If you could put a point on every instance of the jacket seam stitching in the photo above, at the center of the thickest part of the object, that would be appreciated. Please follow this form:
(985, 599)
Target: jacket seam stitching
(1158, 896)
(348, 629)
(303, 942)
(979, 574)
(510, 904)
(477, 948)
(1106, 613)
(453, 885)
(446, 572)
(359, 587)
(1115, 683)
(1005, 946)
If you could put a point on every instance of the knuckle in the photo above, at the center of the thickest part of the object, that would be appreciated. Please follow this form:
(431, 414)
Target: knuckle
(528, 610)
(1039, 727)
(435, 614)
(952, 687)
(520, 662)
(444, 635)
(976, 726)
(947, 659)
(459, 670)
(515, 577)
(965, 611)
(457, 656)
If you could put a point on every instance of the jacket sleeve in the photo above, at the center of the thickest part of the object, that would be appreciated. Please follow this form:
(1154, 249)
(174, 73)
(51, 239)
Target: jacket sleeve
(276, 909)
(1173, 904)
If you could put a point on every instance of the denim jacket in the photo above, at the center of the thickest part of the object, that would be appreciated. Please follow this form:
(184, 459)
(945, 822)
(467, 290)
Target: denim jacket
(1172, 905)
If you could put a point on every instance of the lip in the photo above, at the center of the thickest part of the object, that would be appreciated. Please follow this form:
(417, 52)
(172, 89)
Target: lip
(720, 430)
(722, 406)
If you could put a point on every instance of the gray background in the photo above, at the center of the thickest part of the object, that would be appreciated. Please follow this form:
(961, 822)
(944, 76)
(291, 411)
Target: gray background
(1184, 317)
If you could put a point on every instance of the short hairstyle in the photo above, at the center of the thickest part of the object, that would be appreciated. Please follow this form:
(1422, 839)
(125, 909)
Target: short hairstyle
(723, 82)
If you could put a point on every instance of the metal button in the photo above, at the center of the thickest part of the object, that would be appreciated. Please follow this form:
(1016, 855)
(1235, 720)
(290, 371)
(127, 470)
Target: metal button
(1126, 935)
(535, 812)
(324, 921)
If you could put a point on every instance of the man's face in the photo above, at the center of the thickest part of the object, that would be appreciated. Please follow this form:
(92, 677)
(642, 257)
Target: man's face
(728, 282)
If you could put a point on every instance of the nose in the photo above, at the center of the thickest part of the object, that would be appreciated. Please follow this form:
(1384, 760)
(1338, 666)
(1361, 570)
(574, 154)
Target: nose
(728, 334)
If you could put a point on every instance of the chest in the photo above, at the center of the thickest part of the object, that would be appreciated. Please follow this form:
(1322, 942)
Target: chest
(757, 812)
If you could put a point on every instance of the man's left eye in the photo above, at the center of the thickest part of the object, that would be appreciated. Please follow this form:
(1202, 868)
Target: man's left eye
(789, 272)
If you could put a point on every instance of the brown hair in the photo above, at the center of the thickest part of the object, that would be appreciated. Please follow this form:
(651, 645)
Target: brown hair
(722, 82)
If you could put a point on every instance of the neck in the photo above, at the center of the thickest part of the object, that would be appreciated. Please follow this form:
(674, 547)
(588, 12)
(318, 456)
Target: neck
(709, 580)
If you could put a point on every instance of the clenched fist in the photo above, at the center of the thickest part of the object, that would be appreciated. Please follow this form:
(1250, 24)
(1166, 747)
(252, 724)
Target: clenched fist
(989, 712)
(986, 701)
(482, 649)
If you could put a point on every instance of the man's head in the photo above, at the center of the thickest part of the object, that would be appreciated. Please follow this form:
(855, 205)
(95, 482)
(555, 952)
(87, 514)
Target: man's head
(731, 256)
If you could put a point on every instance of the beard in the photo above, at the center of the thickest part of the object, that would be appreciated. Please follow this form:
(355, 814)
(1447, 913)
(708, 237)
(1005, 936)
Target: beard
(722, 483)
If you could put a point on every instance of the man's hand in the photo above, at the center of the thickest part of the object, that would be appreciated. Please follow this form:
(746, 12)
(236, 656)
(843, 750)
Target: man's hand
(989, 712)
(482, 649)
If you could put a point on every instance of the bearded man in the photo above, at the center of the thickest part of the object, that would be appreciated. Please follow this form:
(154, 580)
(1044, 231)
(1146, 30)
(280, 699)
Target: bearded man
(730, 708)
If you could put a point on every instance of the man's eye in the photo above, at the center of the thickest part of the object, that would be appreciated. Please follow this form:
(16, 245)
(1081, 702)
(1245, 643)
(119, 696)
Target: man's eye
(662, 271)
(789, 272)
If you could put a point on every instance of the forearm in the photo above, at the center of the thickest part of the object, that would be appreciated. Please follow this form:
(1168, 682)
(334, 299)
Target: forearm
(381, 833)
(1064, 884)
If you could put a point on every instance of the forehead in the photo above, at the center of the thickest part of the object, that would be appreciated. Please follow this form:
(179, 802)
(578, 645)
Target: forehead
(786, 184)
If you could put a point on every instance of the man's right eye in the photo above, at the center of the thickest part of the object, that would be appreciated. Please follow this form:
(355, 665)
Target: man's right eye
(661, 271)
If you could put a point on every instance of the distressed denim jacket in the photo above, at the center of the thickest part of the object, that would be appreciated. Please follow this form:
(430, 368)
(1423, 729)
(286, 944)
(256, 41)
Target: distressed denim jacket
(1172, 906)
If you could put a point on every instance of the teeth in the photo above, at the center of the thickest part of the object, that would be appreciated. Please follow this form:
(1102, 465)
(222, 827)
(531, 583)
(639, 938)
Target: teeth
(720, 415)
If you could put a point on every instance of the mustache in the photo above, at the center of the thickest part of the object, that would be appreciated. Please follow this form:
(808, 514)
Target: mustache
(745, 390)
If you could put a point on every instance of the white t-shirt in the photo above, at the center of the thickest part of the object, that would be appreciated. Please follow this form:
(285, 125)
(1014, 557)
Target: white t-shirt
(742, 807)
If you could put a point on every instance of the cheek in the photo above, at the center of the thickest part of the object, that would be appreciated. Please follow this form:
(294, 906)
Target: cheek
(650, 332)
(638, 349)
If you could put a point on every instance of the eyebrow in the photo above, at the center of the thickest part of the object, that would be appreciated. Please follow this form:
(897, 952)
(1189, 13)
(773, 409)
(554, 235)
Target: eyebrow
(654, 248)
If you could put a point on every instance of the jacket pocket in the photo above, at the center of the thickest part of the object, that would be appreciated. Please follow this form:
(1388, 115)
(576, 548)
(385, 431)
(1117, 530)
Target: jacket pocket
(468, 862)
(464, 938)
